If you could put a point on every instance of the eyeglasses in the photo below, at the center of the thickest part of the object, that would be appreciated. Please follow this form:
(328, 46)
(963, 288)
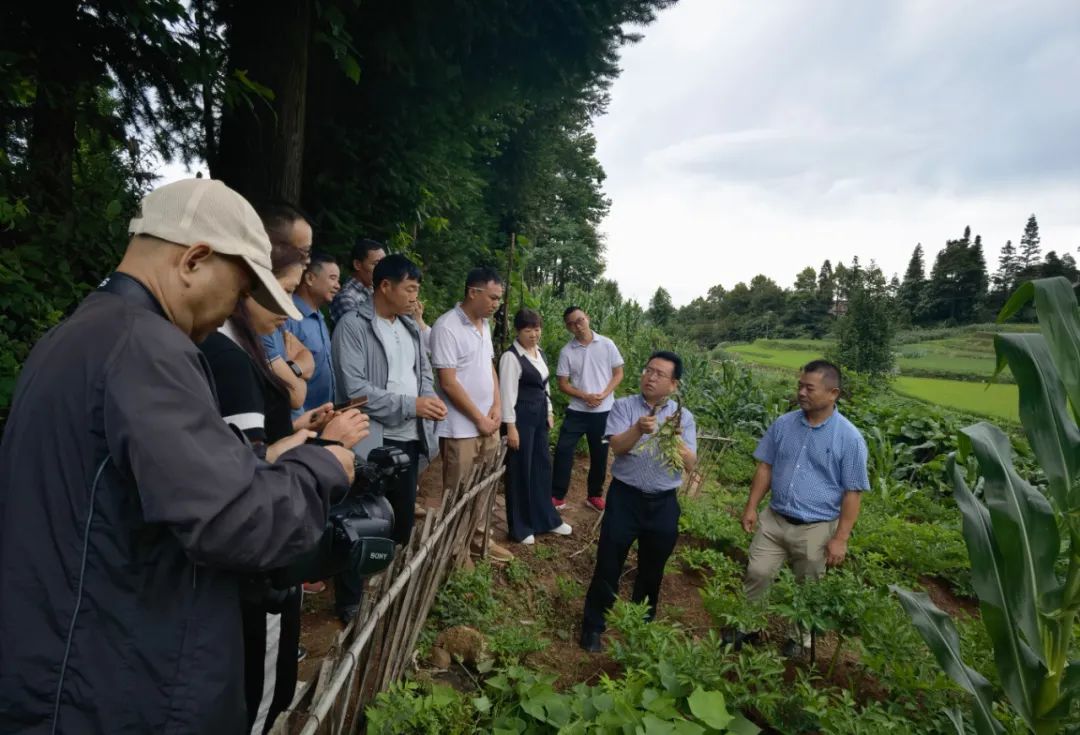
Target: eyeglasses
(575, 322)
(653, 371)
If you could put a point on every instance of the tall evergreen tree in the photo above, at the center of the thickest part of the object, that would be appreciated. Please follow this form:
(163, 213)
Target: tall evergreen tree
(864, 335)
(1030, 250)
(660, 307)
(1008, 268)
(826, 285)
(911, 289)
(958, 281)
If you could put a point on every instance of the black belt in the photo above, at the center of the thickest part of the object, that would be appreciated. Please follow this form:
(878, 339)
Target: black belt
(795, 521)
(646, 493)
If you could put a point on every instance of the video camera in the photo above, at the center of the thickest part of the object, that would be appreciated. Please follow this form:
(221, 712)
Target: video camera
(360, 526)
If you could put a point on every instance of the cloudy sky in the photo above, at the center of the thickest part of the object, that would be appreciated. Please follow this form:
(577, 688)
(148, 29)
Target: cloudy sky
(752, 137)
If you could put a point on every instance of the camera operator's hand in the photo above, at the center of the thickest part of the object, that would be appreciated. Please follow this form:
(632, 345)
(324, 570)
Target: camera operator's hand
(513, 439)
(430, 407)
(281, 446)
(315, 419)
(348, 427)
(346, 458)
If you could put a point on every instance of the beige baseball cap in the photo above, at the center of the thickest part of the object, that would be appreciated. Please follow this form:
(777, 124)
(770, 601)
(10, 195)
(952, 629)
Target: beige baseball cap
(194, 211)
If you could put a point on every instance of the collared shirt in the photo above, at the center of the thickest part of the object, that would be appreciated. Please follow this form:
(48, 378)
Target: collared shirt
(274, 345)
(589, 368)
(400, 372)
(457, 343)
(349, 298)
(813, 466)
(313, 334)
(510, 374)
(641, 467)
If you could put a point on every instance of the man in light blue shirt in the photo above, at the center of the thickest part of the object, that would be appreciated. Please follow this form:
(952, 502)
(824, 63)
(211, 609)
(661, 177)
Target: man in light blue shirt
(814, 462)
(641, 503)
(317, 287)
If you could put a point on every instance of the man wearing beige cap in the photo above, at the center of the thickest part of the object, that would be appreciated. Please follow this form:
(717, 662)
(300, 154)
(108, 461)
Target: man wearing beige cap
(129, 512)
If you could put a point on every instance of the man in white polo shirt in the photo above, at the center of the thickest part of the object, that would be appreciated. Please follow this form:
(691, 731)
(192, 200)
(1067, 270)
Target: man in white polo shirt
(463, 358)
(589, 371)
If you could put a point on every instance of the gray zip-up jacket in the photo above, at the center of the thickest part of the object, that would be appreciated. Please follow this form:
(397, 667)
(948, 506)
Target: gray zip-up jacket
(360, 369)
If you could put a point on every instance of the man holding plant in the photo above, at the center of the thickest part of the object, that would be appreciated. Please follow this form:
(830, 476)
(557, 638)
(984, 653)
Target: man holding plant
(814, 462)
(641, 503)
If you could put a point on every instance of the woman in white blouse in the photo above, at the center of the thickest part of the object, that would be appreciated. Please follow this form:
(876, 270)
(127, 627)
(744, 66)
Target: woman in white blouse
(527, 416)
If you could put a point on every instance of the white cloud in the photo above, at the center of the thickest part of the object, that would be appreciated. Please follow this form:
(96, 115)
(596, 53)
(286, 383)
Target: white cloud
(749, 138)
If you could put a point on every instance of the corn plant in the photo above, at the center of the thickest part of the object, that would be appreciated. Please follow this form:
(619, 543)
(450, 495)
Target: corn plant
(1027, 580)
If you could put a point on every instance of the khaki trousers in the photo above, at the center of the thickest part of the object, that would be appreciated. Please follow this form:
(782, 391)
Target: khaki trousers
(459, 456)
(777, 541)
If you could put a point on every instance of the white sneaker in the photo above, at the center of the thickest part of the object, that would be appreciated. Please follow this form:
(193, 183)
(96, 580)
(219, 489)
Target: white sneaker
(529, 540)
(564, 529)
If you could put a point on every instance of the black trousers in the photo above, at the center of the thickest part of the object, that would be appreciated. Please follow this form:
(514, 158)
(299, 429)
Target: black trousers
(528, 481)
(349, 587)
(576, 423)
(652, 519)
(270, 643)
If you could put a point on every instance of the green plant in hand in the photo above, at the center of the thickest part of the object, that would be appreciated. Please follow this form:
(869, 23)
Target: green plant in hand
(1015, 534)
(666, 441)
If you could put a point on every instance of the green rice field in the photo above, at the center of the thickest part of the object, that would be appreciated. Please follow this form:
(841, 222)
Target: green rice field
(951, 371)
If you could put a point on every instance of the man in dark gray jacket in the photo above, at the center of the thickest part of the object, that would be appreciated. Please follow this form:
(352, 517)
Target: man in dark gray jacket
(129, 511)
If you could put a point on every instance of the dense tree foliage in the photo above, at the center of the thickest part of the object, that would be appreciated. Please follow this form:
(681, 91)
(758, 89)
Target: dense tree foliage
(459, 133)
(957, 291)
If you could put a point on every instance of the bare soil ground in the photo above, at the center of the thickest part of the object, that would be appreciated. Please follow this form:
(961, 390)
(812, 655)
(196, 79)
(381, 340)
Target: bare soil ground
(573, 558)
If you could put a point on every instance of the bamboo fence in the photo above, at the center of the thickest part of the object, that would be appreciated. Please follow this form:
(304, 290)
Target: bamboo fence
(376, 648)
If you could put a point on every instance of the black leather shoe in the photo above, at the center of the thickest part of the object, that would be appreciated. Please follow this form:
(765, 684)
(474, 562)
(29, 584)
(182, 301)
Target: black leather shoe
(743, 638)
(590, 641)
(792, 649)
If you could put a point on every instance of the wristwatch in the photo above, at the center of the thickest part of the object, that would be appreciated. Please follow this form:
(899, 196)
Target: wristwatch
(295, 368)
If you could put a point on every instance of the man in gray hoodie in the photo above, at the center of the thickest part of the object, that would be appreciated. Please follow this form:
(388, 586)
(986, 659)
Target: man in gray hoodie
(378, 353)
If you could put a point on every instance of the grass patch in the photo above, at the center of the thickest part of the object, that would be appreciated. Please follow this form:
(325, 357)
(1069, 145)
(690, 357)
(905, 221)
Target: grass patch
(997, 400)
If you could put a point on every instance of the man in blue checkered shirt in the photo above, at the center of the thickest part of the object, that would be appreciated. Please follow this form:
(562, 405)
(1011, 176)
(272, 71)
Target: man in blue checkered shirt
(814, 462)
(641, 504)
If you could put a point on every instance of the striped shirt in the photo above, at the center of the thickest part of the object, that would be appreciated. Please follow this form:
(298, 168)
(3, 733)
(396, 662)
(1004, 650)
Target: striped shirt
(641, 466)
(813, 466)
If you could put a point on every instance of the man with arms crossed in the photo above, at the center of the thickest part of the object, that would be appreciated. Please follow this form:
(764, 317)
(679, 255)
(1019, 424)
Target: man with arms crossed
(317, 288)
(463, 358)
(814, 462)
(589, 370)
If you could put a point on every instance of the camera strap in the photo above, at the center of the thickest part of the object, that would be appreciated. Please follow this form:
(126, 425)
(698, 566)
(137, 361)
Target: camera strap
(132, 290)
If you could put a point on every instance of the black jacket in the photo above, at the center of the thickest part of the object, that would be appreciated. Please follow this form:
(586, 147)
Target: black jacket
(128, 510)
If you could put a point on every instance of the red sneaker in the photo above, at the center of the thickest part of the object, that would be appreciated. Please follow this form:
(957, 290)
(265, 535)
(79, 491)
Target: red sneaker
(314, 588)
(596, 503)
(559, 504)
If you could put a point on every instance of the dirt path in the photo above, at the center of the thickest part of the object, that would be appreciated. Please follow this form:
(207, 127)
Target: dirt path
(573, 559)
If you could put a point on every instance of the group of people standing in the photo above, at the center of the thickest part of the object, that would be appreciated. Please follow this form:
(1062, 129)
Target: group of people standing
(186, 430)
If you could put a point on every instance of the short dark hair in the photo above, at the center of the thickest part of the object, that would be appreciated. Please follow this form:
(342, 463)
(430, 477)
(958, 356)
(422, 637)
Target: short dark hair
(319, 258)
(828, 370)
(527, 318)
(482, 276)
(570, 310)
(278, 217)
(364, 246)
(671, 357)
(395, 268)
